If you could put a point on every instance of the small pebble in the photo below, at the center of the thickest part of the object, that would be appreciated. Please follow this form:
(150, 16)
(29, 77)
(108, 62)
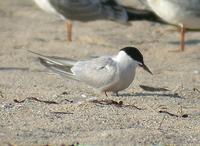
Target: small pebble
(196, 72)
(7, 106)
(83, 95)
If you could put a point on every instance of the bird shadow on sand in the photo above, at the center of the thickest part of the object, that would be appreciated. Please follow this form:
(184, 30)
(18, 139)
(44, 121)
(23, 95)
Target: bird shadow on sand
(14, 69)
(153, 91)
(142, 94)
(188, 42)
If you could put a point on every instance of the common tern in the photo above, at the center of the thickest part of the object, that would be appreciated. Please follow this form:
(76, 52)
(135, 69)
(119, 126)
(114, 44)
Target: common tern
(105, 73)
(84, 10)
(183, 13)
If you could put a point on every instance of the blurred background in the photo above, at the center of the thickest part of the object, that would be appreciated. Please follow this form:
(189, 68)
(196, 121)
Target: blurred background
(24, 26)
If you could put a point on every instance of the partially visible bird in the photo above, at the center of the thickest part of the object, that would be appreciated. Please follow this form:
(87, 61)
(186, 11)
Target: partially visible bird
(106, 73)
(84, 10)
(182, 13)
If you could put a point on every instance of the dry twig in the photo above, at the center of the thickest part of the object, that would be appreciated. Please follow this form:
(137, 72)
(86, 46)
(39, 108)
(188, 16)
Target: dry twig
(35, 99)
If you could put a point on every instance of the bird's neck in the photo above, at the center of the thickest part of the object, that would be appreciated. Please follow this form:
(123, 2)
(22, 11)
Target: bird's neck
(126, 69)
(125, 61)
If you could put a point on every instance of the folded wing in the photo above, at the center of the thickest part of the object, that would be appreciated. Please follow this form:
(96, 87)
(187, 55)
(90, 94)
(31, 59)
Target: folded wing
(87, 10)
(98, 72)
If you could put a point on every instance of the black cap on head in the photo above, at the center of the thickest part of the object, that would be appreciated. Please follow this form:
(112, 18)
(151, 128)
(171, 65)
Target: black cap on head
(134, 53)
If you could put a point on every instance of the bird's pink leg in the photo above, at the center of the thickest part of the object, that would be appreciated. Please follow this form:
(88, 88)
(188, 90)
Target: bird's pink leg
(182, 38)
(69, 30)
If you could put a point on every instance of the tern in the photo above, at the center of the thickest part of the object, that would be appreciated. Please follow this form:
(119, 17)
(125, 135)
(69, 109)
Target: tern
(84, 10)
(105, 73)
(182, 13)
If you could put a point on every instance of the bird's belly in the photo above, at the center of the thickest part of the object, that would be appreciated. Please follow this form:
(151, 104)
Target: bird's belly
(121, 84)
(175, 14)
(188, 20)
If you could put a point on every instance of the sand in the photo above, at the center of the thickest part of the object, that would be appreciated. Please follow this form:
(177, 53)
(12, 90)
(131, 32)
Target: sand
(158, 116)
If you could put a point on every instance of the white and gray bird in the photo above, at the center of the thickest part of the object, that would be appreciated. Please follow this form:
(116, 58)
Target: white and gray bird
(106, 73)
(84, 10)
(182, 13)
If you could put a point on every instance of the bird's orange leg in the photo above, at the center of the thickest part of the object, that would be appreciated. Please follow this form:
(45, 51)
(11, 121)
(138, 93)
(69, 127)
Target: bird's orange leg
(69, 30)
(182, 38)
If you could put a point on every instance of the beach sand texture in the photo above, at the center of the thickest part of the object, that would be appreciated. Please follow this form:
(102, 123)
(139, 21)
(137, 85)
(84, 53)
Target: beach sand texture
(38, 107)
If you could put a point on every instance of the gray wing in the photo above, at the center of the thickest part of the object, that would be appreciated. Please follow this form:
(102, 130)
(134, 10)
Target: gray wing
(99, 72)
(87, 10)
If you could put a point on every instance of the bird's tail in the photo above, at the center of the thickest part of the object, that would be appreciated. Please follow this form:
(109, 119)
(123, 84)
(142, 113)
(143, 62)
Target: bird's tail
(137, 14)
(61, 66)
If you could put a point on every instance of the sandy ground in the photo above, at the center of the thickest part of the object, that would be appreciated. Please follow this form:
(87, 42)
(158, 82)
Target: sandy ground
(162, 117)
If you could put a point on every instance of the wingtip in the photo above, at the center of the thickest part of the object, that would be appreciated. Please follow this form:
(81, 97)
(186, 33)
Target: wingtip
(43, 62)
(30, 51)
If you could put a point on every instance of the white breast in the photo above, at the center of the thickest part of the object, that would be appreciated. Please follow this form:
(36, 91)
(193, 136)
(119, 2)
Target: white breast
(126, 72)
(45, 5)
(126, 78)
